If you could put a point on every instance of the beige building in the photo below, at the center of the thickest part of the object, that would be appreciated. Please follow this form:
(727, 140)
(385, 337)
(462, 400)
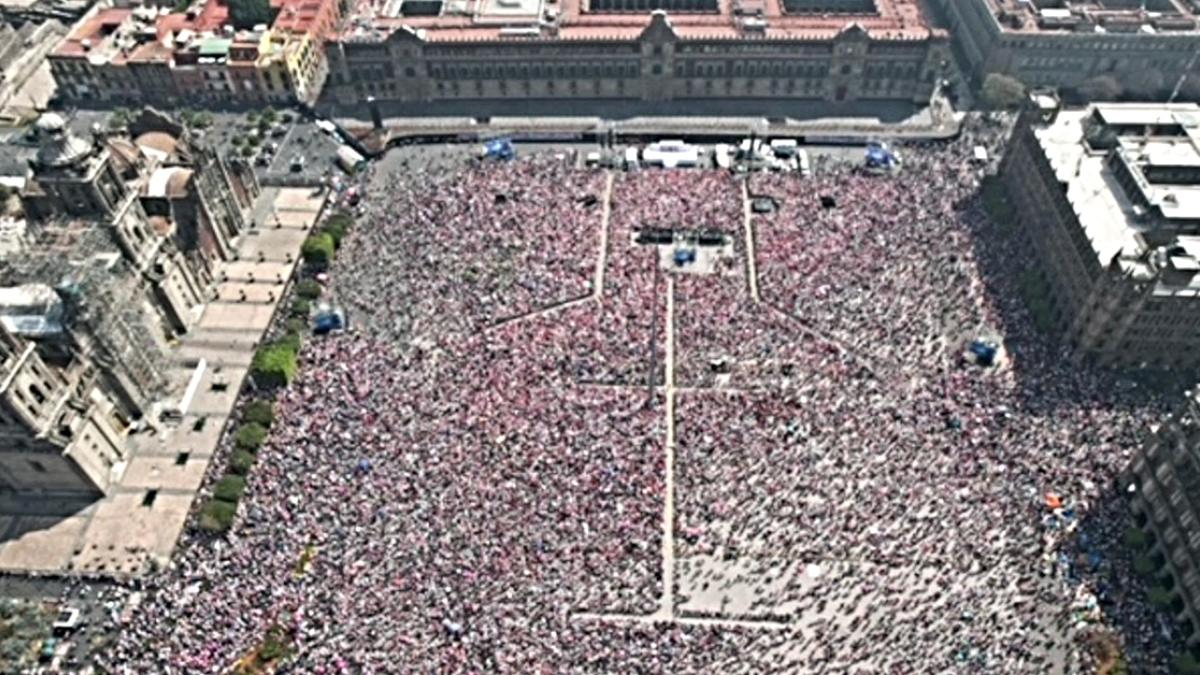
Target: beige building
(121, 234)
(60, 431)
(1144, 44)
(1164, 483)
(822, 50)
(1109, 197)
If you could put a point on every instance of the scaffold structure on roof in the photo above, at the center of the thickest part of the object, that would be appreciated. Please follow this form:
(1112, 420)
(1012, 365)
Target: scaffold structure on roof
(106, 308)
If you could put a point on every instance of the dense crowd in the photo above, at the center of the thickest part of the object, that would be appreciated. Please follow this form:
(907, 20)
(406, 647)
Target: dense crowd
(459, 485)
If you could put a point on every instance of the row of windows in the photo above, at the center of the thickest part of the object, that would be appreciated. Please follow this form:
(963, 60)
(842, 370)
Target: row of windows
(594, 70)
(525, 71)
(1108, 45)
(533, 50)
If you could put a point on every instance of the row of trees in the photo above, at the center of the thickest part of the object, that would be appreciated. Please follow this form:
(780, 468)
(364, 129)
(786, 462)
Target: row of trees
(275, 365)
(1004, 92)
(257, 417)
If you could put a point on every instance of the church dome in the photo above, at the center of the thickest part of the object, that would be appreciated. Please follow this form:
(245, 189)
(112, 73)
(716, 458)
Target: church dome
(58, 146)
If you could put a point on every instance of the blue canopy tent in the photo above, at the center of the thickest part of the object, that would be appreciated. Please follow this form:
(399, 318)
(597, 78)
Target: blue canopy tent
(985, 352)
(329, 321)
(499, 148)
(684, 256)
(879, 157)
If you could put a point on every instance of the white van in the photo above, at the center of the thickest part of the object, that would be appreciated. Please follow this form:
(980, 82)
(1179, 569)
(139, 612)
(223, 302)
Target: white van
(784, 147)
(671, 154)
(723, 155)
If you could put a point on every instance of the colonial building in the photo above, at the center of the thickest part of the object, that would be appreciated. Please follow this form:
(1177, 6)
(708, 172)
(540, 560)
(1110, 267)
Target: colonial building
(149, 54)
(1109, 199)
(60, 431)
(191, 190)
(99, 182)
(647, 50)
(122, 232)
(1164, 482)
(1143, 44)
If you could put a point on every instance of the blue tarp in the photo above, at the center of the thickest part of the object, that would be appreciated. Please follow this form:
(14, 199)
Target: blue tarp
(684, 256)
(328, 322)
(500, 148)
(879, 156)
(985, 353)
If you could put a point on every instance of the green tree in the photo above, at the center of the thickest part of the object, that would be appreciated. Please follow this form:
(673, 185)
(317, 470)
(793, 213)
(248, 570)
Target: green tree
(309, 289)
(1134, 538)
(230, 489)
(337, 226)
(1186, 664)
(318, 250)
(120, 118)
(217, 516)
(246, 14)
(260, 412)
(1002, 92)
(1101, 88)
(274, 365)
(301, 308)
(1144, 566)
(1144, 85)
(290, 340)
(1159, 596)
(241, 462)
(250, 437)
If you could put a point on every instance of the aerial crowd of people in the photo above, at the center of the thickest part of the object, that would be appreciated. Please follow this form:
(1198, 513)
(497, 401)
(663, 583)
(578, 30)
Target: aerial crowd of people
(541, 419)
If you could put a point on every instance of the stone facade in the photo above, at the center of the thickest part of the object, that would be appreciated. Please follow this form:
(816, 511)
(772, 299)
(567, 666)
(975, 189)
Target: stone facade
(1163, 481)
(1145, 51)
(656, 63)
(1113, 228)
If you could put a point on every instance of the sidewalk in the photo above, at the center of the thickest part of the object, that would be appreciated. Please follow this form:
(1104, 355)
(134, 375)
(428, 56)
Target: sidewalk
(120, 534)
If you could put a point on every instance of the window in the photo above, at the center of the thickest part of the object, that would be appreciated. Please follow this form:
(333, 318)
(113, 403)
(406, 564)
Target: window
(148, 500)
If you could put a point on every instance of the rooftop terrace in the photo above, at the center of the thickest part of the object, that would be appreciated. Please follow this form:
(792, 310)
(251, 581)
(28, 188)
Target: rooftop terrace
(1132, 175)
(1095, 16)
(623, 20)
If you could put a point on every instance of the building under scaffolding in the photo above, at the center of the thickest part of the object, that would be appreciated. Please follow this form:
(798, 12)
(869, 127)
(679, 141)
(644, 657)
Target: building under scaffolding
(106, 309)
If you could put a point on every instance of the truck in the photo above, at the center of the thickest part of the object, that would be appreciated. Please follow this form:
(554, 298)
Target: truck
(349, 159)
(784, 147)
(671, 154)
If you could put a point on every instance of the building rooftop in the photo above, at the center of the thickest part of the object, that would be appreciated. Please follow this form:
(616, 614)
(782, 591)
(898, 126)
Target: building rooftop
(146, 34)
(625, 20)
(1094, 16)
(1132, 175)
(32, 310)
